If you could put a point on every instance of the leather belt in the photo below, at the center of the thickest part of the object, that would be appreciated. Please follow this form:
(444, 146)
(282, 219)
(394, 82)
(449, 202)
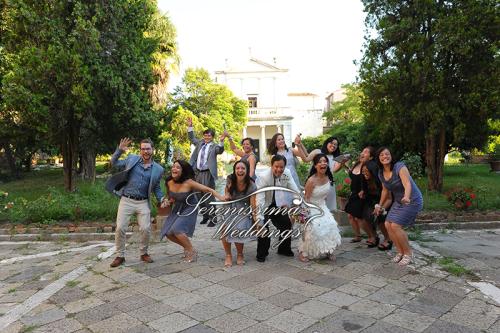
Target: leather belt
(134, 197)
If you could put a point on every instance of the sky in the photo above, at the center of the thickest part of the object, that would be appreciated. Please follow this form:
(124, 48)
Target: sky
(317, 40)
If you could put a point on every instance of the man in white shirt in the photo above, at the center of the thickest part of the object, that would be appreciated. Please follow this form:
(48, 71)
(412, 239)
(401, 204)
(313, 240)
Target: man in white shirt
(204, 161)
(277, 175)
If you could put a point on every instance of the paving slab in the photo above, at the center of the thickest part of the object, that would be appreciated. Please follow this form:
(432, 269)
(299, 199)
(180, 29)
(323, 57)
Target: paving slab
(362, 292)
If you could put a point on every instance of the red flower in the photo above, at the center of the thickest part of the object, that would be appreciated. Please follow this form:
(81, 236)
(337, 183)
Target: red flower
(472, 196)
(468, 203)
(347, 180)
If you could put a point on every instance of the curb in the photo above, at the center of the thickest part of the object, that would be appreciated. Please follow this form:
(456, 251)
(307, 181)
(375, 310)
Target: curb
(458, 225)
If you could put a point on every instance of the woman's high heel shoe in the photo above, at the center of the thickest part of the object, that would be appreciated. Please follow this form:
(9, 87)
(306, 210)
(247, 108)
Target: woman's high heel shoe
(303, 258)
(397, 258)
(191, 256)
(229, 261)
(239, 260)
(406, 260)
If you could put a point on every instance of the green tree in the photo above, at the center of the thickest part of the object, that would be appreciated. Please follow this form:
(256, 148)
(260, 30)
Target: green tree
(209, 104)
(429, 75)
(131, 66)
(348, 109)
(84, 73)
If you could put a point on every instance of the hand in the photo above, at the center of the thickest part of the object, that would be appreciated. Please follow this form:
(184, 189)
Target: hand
(377, 210)
(227, 197)
(297, 139)
(166, 202)
(190, 122)
(124, 143)
(218, 196)
(361, 195)
(222, 137)
(405, 201)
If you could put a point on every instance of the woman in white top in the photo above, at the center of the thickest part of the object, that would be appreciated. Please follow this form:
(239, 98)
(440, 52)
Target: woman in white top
(277, 146)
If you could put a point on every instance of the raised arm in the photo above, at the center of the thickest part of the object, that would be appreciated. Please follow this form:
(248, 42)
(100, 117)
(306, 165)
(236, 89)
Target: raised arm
(219, 148)
(235, 149)
(301, 151)
(122, 147)
(202, 188)
(190, 131)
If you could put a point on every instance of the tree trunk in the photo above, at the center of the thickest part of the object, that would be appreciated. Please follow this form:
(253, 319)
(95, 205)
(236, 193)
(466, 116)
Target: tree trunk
(70, 156)
(11, 160)
(435, 151)
(88, 157)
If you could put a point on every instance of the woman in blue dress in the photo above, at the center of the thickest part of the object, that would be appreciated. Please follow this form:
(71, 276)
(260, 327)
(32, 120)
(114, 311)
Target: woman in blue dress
(239, 186)
(407, 202)
(180, 224)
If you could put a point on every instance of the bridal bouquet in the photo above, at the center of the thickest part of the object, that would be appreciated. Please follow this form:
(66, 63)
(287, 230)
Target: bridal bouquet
(300, 216)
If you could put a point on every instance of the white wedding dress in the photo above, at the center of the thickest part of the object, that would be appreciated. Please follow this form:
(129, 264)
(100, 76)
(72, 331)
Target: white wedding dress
(321, 236)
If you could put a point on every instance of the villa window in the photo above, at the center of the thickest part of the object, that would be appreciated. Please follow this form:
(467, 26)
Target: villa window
(252, 101)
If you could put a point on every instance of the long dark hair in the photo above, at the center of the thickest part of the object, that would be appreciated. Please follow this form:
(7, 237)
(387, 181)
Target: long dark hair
(232, 181)
(186, 173)
(314, 171)
(373, 183)
(324, 148)
(377, 155)
(272, 149)
(371, 149)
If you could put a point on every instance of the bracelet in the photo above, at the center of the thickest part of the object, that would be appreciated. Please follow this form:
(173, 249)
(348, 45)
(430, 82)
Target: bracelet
(378, 206)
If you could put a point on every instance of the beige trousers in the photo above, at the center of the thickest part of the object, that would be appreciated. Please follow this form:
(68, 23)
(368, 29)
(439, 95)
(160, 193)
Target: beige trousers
(126, 209)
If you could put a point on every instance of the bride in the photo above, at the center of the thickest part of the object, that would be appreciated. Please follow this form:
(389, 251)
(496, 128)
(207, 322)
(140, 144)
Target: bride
(321, 236)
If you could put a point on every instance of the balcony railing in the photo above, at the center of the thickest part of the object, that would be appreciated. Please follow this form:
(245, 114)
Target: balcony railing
(271, 112)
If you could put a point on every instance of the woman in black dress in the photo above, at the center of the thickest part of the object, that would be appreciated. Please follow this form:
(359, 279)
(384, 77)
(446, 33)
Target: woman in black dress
(373, 191)
(356, 204)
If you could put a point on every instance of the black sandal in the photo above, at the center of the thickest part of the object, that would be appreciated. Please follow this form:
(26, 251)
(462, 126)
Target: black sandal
(387, 247)
(356, 239)
(371, 244)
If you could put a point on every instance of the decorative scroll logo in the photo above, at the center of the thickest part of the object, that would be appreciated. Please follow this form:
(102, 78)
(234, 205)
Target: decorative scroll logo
(242, 220)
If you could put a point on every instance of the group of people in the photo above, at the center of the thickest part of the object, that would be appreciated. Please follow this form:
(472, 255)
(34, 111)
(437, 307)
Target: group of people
(378, 185)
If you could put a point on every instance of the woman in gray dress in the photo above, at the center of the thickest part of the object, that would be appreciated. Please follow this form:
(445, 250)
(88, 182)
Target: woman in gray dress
(246, 153)
(180, 224)
(407, 202)
(239, 186)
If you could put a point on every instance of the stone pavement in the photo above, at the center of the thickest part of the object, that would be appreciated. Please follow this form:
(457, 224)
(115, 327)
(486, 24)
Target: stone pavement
(74, 291)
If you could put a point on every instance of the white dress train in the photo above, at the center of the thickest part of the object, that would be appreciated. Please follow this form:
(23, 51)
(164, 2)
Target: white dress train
(321, 236)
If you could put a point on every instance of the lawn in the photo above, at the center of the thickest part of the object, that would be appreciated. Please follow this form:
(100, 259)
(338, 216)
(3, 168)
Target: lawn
(477, 176)
(40, 198)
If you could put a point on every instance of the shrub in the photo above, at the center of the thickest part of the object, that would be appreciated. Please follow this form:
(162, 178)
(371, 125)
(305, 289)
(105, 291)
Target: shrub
(461, 198)
(344, 189)
(414, 164)
(303, 170)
